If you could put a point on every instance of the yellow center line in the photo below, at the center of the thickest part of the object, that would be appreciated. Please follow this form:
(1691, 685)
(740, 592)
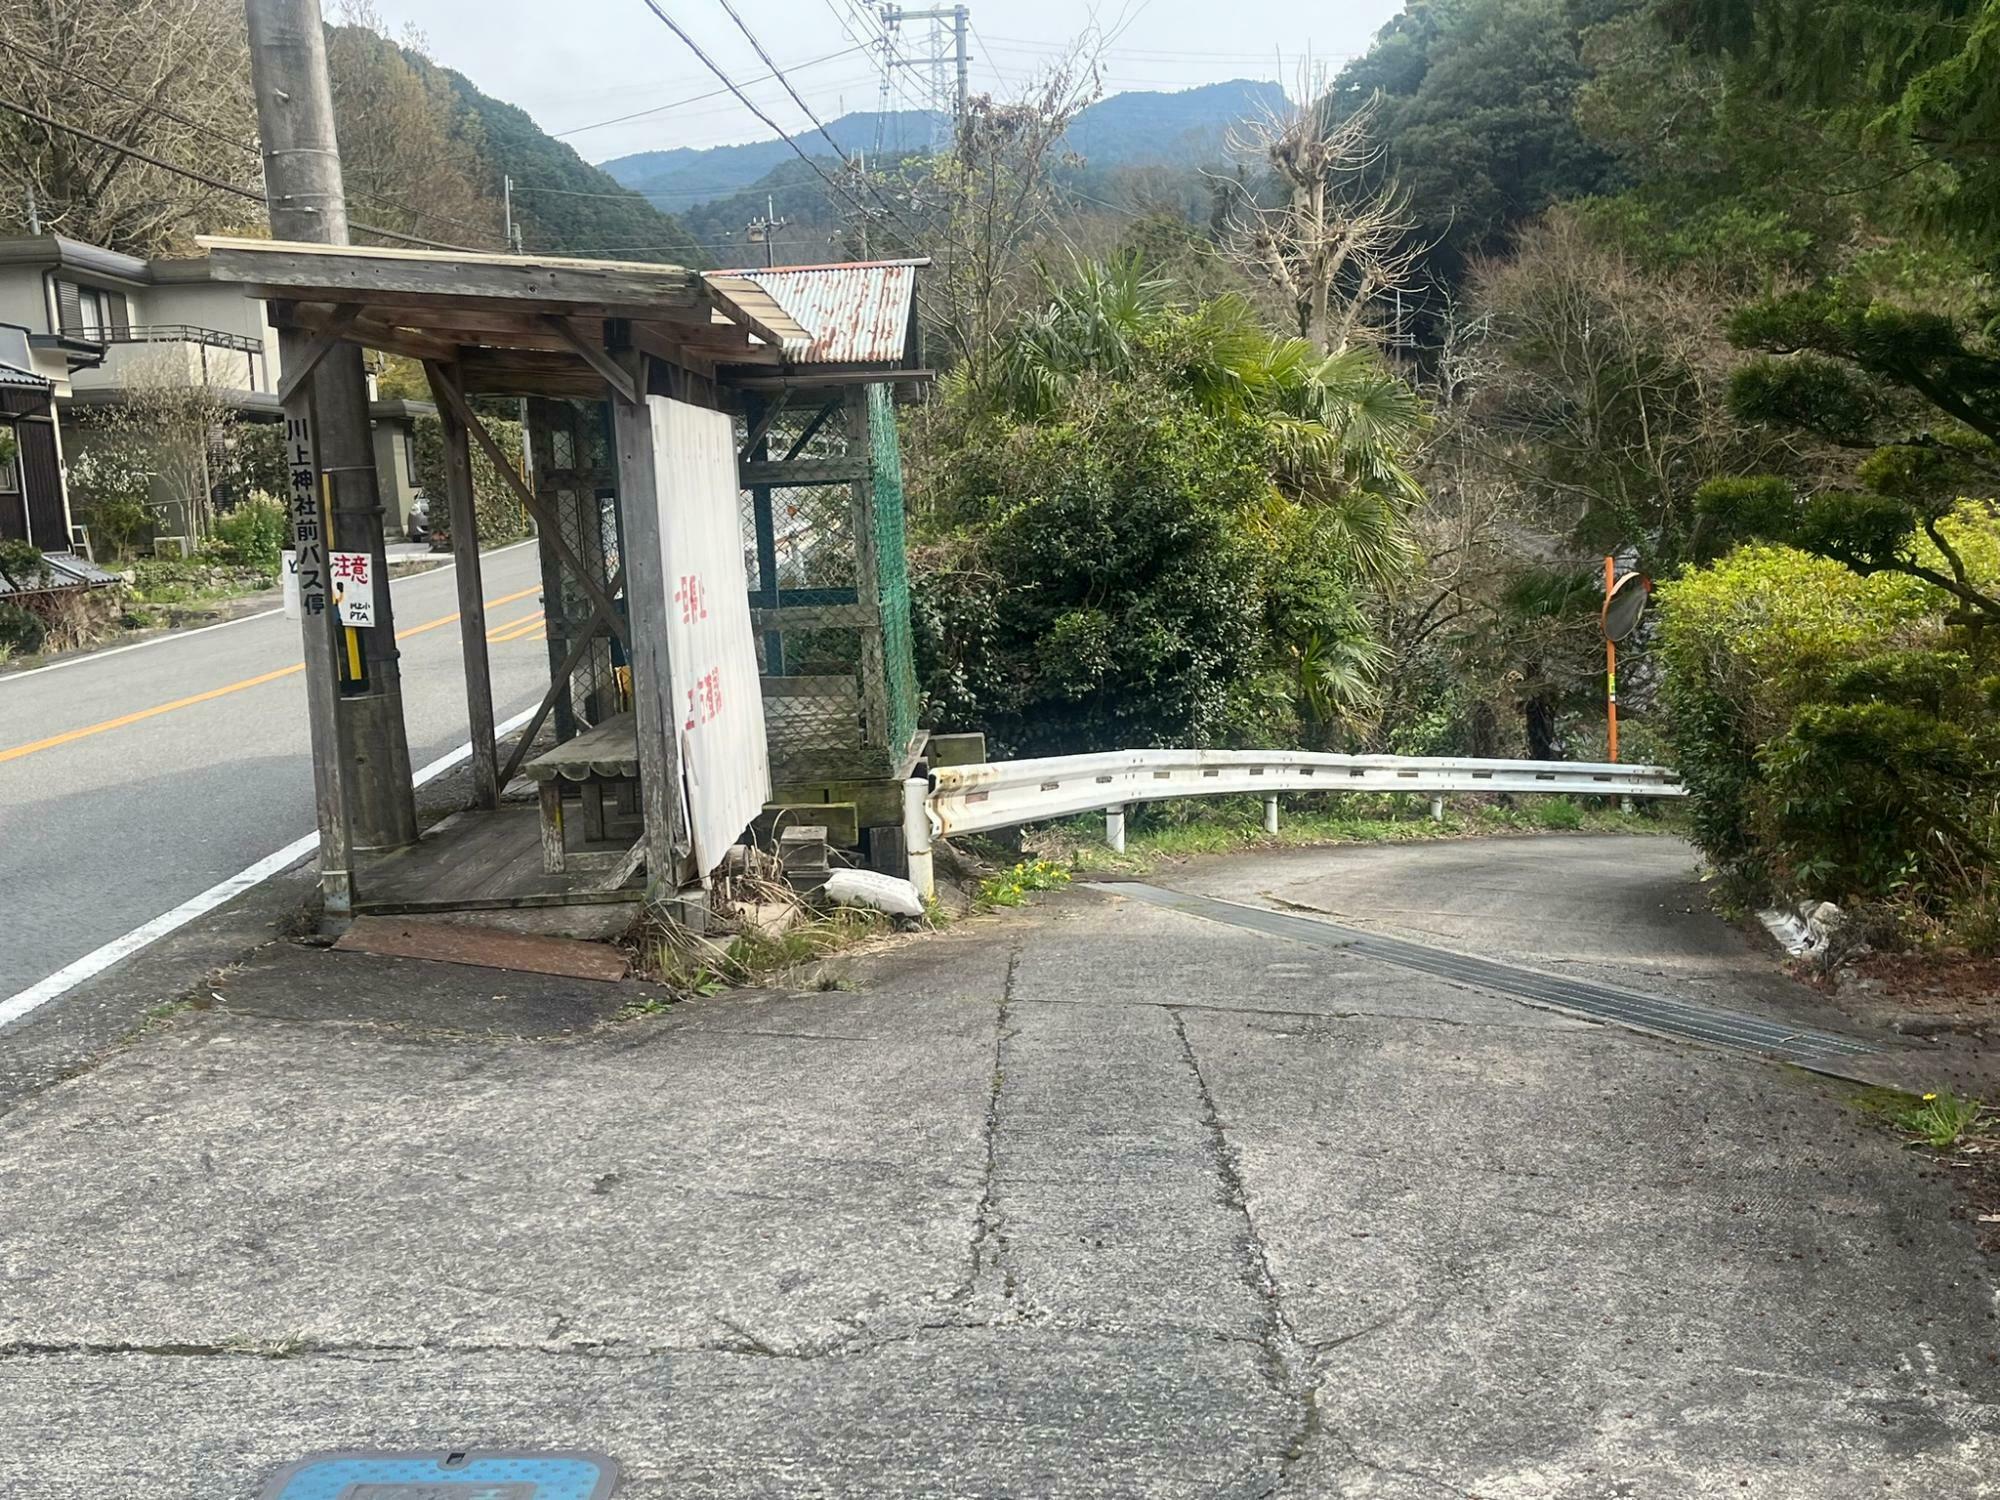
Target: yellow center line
(157, 709)
(514, 630)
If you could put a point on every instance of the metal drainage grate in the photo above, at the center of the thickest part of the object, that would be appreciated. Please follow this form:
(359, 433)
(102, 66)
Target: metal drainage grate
(1674, 1018)
(462, 1475)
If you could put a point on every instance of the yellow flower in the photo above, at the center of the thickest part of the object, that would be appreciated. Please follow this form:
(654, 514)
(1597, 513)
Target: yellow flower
(1929, 1097)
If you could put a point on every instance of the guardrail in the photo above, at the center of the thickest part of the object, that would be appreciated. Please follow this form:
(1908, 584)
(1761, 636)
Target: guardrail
(1004, 794)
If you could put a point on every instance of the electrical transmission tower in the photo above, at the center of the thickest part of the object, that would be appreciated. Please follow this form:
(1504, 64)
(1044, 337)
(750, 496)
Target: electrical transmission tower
(940, 67)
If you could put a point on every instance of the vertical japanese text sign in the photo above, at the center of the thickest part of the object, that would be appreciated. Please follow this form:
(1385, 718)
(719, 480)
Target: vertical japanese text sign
(308, 543)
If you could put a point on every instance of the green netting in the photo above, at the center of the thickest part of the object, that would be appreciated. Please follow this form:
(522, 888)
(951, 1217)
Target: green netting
(892, 571)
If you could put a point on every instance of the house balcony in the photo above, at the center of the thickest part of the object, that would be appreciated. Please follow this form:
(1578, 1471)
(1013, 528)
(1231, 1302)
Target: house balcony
(183, 353)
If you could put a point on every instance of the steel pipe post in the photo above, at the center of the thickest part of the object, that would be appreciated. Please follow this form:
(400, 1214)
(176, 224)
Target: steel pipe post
(1270, 815)
(917, 836)
(1114, 829)
(1437, 809)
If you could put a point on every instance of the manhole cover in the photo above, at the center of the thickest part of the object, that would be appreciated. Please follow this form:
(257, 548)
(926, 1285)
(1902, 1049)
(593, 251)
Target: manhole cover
(465, 1475)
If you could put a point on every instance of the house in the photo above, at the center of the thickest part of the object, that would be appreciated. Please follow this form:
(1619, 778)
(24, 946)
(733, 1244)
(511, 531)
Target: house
(97, 326)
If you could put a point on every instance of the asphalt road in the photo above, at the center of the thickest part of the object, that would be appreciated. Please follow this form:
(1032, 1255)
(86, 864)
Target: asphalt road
(133, 779)
(1089, 1200)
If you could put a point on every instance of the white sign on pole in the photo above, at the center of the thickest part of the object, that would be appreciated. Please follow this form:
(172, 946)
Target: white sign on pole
(718, 703)
(353, 587)
(290, 571)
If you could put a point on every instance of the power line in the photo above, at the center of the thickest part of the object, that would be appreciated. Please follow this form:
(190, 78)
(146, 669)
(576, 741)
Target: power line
(779, 73)
(192, 175)
(770, 124)
(640, 114)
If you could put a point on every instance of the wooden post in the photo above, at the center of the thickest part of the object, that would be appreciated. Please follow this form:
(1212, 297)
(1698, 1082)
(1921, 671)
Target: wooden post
(874, 675)
(657, 723)
(464, 515)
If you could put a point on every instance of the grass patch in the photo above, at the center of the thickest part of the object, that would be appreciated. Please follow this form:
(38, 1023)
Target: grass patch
(1168, 833)
(1940, 1121)
(1010, 887)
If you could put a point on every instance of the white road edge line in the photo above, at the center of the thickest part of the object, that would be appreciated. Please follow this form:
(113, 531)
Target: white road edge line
(70, 975)
(181, 635)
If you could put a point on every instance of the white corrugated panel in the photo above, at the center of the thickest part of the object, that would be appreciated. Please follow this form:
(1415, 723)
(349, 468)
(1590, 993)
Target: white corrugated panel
(718, 704)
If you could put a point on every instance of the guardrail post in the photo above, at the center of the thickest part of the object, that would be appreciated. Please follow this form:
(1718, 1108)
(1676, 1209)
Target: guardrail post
(1437, 809)
(1114, 829)
(917, 835)
(1270, 815)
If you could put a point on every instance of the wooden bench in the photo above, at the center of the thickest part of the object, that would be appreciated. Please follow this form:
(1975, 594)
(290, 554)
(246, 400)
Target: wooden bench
(607, 756)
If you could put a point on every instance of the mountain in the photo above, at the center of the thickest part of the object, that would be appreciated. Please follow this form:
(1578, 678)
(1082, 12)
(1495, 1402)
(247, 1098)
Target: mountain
(561, 202)
(1131, 129)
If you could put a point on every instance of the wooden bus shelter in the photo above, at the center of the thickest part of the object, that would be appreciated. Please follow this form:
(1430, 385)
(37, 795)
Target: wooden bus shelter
(808, 361)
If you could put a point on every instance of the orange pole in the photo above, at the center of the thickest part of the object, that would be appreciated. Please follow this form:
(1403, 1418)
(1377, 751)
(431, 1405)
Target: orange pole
(1611, 669)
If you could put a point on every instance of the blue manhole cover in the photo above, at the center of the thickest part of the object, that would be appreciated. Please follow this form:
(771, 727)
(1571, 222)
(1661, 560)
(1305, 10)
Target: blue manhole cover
(475, 1475)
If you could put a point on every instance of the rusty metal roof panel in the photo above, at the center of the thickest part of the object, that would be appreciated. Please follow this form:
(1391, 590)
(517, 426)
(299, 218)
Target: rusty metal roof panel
(857, 313)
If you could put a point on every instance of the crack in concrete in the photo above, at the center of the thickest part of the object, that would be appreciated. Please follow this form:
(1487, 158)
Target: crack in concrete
(988, 1248)
(1286, 1359)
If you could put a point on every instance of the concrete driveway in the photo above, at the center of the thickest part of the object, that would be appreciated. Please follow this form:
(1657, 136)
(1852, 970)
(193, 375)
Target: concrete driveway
(1095, 1199)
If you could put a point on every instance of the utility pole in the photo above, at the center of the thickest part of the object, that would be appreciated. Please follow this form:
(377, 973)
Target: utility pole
(354, 692)
(34, 212)
(507, 209)
(764, 231)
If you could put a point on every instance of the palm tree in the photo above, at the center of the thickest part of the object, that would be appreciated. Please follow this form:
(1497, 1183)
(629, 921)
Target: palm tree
(1339, 425)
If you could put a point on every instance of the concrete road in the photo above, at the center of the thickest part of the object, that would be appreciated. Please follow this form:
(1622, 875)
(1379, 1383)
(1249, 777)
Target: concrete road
(1092, 1200)
(133, 779)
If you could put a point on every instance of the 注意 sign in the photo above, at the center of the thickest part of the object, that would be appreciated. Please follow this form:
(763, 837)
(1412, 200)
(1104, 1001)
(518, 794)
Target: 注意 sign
(717, 708)
(353, 576)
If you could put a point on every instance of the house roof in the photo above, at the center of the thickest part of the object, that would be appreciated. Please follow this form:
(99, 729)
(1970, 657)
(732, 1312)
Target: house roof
(515, 324)
(860, 312)
(17, 363)
(74, 255)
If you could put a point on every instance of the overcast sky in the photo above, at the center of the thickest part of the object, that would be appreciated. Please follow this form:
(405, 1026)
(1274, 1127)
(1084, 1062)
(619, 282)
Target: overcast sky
(579, 62)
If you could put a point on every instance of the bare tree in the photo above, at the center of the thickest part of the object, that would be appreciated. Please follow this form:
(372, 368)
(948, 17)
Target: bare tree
(170, 78)
(1337, 237)
(983, 211)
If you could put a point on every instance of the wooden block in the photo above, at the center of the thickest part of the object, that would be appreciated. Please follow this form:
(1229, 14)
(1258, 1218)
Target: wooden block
(957, 750)
(839, 822)
(483, 947)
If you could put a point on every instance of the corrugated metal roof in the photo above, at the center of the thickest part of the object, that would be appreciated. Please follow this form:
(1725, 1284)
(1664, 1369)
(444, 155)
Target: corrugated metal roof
(857, 313)
(65, 571)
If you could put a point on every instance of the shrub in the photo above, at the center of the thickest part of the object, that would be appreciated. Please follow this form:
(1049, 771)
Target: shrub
(253, 535)
(1834, 730)
(21, 634)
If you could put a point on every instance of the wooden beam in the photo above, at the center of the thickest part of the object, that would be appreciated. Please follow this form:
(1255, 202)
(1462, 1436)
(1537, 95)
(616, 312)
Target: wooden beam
(754, 440)
(874, 667)
(657, 723)
(464, 514)
(331, 332)
(551, 532)
(812, 428)
(373, 333)
(594, 356)
(843, 470)
(558, 684)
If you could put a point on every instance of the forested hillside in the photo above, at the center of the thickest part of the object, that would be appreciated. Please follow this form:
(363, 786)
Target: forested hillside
(423, 150)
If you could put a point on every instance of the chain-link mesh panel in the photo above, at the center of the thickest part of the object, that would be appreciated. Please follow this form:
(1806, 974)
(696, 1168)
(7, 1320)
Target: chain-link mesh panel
(892, 572)
(574, 479)
(803, 558)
